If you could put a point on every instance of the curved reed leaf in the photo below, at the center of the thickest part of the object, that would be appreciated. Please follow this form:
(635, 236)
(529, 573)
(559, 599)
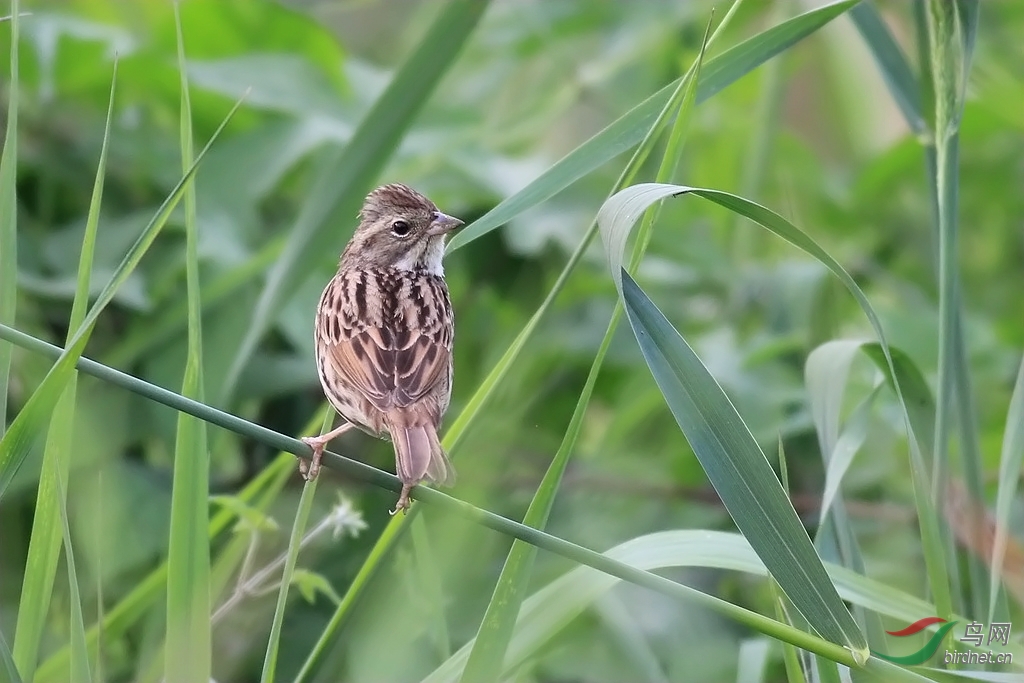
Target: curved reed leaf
(734, 462)
(555, 605)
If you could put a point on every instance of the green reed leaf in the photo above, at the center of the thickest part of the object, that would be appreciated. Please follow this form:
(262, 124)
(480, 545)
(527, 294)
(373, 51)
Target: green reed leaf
(188, 654)
(28, 425)
(628, 130)
(45, 541)
(721, 441)
(9, 217)
(80, 672)
(350, 173)
(487, 657)
(892, 62)
(1011, 462)
(553, 607)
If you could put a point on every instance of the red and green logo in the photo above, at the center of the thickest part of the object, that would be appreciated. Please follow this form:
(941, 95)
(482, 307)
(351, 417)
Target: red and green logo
(926, 652)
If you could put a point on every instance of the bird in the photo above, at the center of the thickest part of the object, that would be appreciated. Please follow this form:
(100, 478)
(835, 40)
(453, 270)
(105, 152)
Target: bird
(383, 336)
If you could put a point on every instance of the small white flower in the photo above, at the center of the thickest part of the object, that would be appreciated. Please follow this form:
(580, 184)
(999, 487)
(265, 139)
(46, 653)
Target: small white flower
(345, 519)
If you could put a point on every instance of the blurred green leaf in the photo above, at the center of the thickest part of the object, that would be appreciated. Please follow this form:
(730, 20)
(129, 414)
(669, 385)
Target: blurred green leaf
(350, 173)
(27, 426)
(7, 659)
(310, 584)
(893, 64)
(1011, 461)
(629, 129)
(249, 517)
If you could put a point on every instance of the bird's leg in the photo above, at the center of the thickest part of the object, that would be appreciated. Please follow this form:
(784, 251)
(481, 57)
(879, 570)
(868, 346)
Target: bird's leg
(403, 499)
(311, 469)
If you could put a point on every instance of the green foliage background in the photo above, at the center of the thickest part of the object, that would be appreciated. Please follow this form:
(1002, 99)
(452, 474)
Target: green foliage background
(815, 134)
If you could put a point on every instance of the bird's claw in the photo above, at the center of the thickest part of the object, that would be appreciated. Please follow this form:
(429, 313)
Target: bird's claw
(403, 501)
(309, 470)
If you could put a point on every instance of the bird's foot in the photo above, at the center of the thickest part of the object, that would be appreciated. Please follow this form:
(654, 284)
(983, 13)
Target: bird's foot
(311, 468)
(403, 501)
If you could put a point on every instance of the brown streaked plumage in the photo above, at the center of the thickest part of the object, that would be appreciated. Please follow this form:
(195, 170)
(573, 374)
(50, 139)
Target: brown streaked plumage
(384, 331)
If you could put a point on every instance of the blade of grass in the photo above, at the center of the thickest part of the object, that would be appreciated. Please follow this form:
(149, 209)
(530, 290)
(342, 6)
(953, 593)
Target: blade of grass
(447, 503)
(10, 671)
(188, 649)
(45, 541)
(98, 572)
(732, 459)
(9, 218)
(899, 76)
(487, 658)
(19, 440)
(340, 189)
(294, 542)
(79, 649)
(792, 658)
(826, 372)
(1011, 460)
(740, 472)
(632, 127)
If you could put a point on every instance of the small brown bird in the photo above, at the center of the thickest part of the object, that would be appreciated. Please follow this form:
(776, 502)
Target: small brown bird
(384, 331)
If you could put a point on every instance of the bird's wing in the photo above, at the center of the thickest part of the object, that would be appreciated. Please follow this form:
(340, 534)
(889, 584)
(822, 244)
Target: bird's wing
(395, 348)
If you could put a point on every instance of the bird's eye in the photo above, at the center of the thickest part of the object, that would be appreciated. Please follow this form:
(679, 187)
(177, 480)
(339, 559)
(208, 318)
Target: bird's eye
(400, 228)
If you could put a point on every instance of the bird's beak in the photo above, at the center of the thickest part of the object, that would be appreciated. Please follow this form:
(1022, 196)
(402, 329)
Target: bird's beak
(443, 224)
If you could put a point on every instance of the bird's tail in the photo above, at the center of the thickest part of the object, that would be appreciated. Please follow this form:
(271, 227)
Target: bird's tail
(418, 452)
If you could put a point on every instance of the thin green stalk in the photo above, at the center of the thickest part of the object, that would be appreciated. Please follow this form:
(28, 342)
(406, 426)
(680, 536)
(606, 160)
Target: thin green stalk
(945, 49)
(294, 544)
(9, 217)
(451, 505)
